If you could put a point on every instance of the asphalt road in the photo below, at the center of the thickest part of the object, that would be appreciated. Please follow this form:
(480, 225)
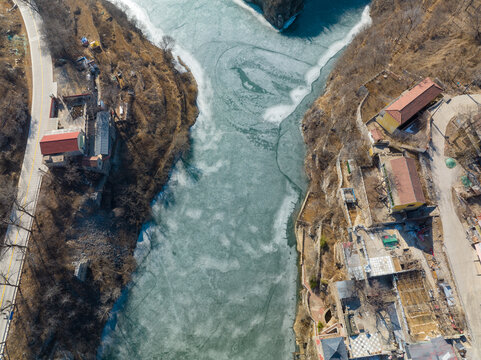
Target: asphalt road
(12, 255)
(457, 247)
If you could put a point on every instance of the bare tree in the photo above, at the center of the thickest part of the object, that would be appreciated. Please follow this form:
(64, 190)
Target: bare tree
(58, 28)
(474, 24)
(8, 216)
(32, 4)
(375, 296)
(167, 43)
(52, 292)
(7, 197)
(413, 14)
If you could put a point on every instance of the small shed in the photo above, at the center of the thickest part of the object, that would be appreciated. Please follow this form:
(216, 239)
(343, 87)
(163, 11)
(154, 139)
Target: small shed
(381, 265)
(81, 269)
(93, 162)
(55, 160)
(448, 293)
(375, 135)
(348, 195)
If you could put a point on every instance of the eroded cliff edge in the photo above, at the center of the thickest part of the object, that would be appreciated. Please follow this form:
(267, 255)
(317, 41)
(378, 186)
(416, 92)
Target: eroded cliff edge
(278, 12)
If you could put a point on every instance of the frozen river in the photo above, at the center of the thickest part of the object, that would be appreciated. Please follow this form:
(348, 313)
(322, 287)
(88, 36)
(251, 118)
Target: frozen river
(217, 273)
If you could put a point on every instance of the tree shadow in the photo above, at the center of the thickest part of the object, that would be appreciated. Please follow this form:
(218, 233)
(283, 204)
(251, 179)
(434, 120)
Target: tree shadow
(319, 15)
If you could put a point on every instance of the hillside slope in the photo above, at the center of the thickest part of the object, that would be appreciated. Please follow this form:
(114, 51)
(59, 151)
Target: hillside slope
(436, 38)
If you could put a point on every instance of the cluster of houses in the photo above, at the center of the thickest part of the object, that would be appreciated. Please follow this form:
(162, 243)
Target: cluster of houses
(399, 171)
(334, 348)
(85, 135)
(390, 243)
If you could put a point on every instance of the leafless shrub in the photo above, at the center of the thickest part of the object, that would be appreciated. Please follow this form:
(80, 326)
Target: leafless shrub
(474, 24)
(167, 43)
(59, 28)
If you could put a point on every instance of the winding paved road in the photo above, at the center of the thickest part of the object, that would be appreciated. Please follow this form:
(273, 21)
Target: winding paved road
(12, 255)
(457, 247)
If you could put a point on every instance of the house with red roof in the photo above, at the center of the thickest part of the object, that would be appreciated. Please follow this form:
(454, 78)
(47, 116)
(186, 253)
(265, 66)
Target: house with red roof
(403, 183)
(408, 104)
(59, 145)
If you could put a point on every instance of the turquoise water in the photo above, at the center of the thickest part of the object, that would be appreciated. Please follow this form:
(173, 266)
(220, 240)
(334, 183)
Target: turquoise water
(217, 271)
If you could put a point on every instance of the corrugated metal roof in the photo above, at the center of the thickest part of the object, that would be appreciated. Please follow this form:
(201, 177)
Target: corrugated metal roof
(414, 100)
(102, 133)
(407, 186)
(59, 143)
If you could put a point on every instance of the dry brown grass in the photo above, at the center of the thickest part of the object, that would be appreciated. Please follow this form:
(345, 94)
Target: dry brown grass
(382, 90)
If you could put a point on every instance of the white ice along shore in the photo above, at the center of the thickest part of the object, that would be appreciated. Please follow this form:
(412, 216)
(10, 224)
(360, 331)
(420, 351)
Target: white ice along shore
(276, 114)
(155, 34)
(256, 11)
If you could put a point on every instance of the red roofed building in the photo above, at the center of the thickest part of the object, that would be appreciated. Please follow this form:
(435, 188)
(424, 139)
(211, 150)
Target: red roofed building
(409, 104)
(65, 143)
(404, 186)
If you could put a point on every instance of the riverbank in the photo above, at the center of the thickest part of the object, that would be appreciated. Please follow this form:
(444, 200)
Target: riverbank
(439, 39)
(87, 218)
